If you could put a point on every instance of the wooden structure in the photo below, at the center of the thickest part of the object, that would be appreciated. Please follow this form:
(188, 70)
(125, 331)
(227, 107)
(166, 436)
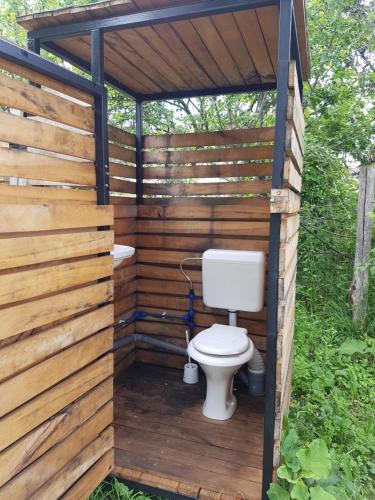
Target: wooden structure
(71, 186)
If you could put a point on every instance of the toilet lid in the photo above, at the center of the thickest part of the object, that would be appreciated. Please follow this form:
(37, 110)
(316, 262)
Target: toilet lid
(222, 340)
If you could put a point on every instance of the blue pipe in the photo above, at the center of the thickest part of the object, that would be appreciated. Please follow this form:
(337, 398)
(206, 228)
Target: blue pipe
(187, 319)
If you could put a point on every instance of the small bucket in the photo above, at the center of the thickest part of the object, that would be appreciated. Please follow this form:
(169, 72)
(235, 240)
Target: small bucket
(191, 373)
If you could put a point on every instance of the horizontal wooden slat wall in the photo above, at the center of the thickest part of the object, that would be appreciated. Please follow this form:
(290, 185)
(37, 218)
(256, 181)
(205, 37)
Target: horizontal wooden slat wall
(287, 202)
(56, 376)
(201, 190)
(122, 187)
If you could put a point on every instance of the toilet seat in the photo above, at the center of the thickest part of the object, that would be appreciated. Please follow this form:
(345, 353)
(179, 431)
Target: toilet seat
(222, 340)
(205, 342)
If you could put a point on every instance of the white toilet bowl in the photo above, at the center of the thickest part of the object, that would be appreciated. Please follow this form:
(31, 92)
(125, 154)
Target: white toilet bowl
(221, 350)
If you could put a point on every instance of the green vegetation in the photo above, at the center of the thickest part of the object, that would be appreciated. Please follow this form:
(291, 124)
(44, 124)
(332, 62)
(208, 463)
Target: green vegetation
(112, 489)
(328, 446)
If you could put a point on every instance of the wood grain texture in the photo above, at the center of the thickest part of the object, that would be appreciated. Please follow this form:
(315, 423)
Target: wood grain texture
(16, 163)
(36, 101)
(28, 132)
(19, 218)
(220, 138)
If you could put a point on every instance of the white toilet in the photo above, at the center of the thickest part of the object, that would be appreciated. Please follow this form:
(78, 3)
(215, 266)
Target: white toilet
(232, 280)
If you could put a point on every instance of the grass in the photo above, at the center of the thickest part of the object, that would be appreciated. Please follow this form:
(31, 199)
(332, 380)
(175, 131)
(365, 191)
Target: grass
(112, 489)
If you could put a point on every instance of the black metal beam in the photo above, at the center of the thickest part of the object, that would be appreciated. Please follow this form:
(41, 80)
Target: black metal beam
(101, 120)
(138, 151)
(237, 89)
(284, 48)
(34, 62)
(170, 14)
(86, 67)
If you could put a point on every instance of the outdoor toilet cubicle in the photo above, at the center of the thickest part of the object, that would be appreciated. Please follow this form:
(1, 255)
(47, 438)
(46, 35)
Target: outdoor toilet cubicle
(84, 392)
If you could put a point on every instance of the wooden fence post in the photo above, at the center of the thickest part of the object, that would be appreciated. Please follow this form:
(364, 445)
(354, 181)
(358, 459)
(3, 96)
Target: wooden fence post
(359, 288)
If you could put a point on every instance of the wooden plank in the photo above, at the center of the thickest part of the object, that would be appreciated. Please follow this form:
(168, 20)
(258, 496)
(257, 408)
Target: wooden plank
(33, 100)
(44, 80)
(151, 36)
(27, 316)
(170, 80)
(214, 188)
(211, 171)
(98, 472)
(27, 132)
(268, 18)
(30, 250)
(41, 377)
(293, 149)
(24, 353)
(182, 53)
(254, 208)
(255, 43)
(204, 227)
(16, 163)
(201, 54)
(189, 244)
(36, 475)
(32, 446)
(295, 117)
(120, 170)
(219, 51)
(125, 211)
(24, 285)
(284, 201)
(120, 153)
(227, 27)
(25, 218)
(38, 410)
(120, 136)
(219, 138)
(292, 177)
(77, 467)
(122, 186)
(45, 195)
(206, 201)
(289, 227)
(210, 155)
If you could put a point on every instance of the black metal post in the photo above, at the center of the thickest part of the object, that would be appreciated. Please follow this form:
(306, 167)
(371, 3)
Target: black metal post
(33, 44)
(101, 119)
(138, 152)
(285, 26)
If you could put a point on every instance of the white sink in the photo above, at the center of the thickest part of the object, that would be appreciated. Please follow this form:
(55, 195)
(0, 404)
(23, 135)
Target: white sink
(120, 253)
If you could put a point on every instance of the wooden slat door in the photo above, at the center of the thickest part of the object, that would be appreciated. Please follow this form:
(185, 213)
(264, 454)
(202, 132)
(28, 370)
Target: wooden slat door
(56, 288)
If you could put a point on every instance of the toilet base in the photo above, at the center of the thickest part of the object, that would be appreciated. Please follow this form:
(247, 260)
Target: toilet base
(225, 414)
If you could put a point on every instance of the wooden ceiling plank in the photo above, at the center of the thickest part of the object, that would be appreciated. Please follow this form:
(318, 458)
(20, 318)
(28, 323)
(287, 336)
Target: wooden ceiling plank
(81, 48)
(214, 43)
(191, 39)
(153, 59)
(231, 35)
(151, 36)
(149, 79)
(268, 18)
(253, 38)
(171, 38)
(141, 63)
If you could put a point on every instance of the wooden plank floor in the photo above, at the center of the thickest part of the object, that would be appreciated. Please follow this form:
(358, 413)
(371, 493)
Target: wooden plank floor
(162, 439)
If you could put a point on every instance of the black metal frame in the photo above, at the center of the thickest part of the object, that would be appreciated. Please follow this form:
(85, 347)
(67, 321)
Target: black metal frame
(288, 46)
(284, 51)
(138, 151)
(101, 119)
(169, 14)
(33, 61)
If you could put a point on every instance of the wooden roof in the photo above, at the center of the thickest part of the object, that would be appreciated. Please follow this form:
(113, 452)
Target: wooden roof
(225, 50)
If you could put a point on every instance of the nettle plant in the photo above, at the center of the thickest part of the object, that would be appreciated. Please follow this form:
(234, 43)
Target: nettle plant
(307, 473)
